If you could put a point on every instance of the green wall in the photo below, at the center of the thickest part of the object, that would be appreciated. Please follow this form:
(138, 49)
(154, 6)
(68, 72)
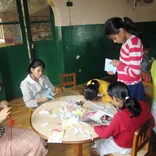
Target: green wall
(13, 65)
(59, 55)
(149, 32)
(90, 43)
(47, 51)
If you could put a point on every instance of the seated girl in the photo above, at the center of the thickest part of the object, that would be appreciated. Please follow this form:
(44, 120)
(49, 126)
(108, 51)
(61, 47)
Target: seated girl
(118, 136)
(97, 90)
(35, 85)
(23, 141)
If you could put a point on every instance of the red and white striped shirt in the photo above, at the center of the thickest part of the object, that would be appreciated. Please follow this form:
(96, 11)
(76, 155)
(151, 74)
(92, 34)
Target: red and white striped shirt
(131, 55)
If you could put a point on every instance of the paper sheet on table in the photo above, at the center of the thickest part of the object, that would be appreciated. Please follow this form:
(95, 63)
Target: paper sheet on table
(56, 137)
(109, 66)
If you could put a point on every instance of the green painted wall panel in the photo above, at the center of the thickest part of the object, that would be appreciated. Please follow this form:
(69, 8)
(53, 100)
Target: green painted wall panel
(89, 42)
(46, 50)
(13, 64)
(2, 92)
(149, 32)
(59, 55)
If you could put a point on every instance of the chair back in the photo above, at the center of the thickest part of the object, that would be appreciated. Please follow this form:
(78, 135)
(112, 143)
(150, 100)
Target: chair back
(67, 79)
(141, 141)
(142, 138)
(148, 84)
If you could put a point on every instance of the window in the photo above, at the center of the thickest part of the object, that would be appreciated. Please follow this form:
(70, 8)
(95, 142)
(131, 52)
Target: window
(2, 40)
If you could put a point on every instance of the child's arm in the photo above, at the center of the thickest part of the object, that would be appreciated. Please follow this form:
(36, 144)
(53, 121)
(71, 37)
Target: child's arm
(111, 130)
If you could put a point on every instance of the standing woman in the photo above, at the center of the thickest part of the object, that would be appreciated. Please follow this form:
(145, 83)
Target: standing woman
(35, 85)
(123, 31)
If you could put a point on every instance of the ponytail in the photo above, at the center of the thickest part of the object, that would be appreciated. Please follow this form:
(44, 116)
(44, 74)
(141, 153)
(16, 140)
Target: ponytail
(130, 27)
(120, 91)
(113, 25)
(133, 106)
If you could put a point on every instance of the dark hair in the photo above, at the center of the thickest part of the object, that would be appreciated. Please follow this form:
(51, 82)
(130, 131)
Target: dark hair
(91, 90)
(145, 46)
(120, 90)
(35, 63)
(113, 25)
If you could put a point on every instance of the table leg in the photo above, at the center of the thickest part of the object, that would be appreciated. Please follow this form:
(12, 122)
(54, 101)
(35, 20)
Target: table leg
(77, 149)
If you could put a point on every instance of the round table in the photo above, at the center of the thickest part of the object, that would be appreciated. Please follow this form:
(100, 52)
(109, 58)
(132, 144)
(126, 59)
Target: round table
(43, 123)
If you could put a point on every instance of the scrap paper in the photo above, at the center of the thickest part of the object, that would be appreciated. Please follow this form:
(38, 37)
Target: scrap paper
(56, 136)
(43, 112)
(96, 116)
(109, 66)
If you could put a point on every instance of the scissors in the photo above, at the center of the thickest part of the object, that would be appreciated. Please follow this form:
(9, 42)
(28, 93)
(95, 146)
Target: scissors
(80, 103)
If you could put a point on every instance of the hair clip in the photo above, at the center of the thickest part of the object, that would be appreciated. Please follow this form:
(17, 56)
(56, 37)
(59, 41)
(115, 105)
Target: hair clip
(127, 97)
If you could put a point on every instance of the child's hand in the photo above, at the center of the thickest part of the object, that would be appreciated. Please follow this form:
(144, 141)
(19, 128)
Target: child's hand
(4, 104)
(97, 99)
(115, 63)
(4, 114)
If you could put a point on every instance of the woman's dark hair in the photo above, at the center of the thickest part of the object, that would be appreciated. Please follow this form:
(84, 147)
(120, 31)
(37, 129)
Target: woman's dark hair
(120, 90)
(113, 25)
(91, 90)
(35, 63)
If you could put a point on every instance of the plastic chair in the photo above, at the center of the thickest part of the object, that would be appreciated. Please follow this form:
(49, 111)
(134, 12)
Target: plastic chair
(141, 141)
(68, 80)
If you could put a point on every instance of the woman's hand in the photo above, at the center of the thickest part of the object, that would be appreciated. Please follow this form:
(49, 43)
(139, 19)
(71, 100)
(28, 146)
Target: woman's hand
(54, 90)
(115, 63)
(42, 99)
(4, 114)
(4, 104)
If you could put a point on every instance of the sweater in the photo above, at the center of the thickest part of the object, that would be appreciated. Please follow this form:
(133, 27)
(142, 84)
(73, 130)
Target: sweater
(122, 127)
(131, 55)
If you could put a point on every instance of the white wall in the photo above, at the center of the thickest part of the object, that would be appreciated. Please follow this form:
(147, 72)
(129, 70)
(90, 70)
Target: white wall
(98, 11)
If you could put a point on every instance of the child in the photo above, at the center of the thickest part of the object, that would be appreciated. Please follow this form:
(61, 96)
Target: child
(132, 114)
(97, 90)
(123, 31)
(145, 61)
(23, 141)
(35, 85)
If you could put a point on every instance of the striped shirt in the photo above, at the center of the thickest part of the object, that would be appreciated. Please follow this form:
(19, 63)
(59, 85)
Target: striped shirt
(131, 55)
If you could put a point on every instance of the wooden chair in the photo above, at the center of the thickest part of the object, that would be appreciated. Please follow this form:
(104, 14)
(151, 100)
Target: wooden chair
(147, 82)
(148, 86)
(141, 141)
(68, 80)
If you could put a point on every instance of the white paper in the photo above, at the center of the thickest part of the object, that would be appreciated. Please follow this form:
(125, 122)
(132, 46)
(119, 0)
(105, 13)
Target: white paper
(43, 112)
(56, 137)
(109, 66)
(97, 115)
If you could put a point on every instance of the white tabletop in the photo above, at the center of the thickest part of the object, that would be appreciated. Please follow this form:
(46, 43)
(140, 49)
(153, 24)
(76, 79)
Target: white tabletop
(44, 123)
